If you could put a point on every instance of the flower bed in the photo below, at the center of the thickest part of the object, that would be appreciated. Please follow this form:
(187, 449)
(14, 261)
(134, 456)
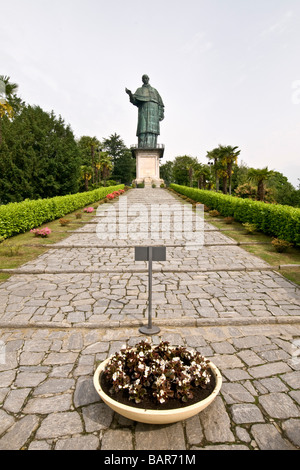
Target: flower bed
(115, 194)
(157, 377)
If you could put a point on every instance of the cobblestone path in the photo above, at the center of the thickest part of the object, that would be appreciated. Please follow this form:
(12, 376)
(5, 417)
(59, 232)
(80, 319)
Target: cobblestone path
(86, 297)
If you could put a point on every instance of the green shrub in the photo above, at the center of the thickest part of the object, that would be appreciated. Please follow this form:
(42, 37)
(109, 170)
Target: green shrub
(64, 222)
(272, 219)
(281, 245)
(19, 217)
(250, 228)
(214, 213)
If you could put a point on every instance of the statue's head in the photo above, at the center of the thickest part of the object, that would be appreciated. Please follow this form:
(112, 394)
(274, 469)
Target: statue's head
(145, 79)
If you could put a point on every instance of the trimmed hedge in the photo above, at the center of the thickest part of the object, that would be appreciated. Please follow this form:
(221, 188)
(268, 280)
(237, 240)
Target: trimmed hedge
(19, 217)
(272, 219)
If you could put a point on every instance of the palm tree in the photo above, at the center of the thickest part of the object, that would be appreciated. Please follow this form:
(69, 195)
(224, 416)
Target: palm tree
(86, 174)
(183, 169)
(215, 155)
(260, 176)
(224, 158)
(9, 102)
(203, 175)
(105, 165)
(89, 146)
(229, 156)
(94, 145)
(190, 170)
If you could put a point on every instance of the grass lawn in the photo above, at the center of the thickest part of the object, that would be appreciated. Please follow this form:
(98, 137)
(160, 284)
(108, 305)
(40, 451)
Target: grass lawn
(261, 245)
(264, 251)
(25, 247)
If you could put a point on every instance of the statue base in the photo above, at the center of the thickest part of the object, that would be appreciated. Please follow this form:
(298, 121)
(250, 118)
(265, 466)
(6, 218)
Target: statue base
(147, 165)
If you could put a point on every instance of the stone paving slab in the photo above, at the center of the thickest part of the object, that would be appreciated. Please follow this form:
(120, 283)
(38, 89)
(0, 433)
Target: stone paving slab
(101, 297)
(55, 326)
(48, 400)
(178, 258)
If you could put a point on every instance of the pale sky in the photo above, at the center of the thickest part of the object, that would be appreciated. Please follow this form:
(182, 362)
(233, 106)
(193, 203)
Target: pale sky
(227, 70)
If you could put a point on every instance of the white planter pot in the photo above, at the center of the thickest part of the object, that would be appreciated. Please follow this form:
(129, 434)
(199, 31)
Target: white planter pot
(157, 416)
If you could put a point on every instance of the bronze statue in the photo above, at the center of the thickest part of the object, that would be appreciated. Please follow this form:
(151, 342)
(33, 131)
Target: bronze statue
(151, 112)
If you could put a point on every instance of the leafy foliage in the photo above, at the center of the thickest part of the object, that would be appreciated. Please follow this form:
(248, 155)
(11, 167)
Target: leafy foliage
(224, 158)
(273, 219)
(223, 171)
(10, 103)
(39, 157)
(102, 160)
(183, 169)
(250, 228)
(281, 245)
(260, 176)
(124, 164)
(20, 217)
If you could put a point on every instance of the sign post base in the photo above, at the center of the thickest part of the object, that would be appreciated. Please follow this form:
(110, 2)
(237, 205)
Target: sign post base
(149, 331)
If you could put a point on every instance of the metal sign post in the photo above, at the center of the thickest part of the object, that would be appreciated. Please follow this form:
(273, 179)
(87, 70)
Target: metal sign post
(150, 253)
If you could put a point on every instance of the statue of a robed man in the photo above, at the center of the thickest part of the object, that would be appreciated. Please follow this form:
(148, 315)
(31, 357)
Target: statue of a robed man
(151, 112)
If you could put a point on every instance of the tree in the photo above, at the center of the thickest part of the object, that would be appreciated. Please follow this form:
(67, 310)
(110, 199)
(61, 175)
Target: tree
(166, 172)
(105, 165)
(124, 168)
(224, 158)
(202, 175)
(284, 191)
(39, 156)
(86, 173)
(123, 162)
(239, 175)
(89, 148)
(260, 176)
(115, 146)
(9, 102)
(183, 168)
(228, 156)
(190, 169)
(215, 156)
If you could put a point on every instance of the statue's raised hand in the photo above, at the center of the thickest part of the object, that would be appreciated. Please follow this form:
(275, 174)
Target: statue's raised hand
(128, 92)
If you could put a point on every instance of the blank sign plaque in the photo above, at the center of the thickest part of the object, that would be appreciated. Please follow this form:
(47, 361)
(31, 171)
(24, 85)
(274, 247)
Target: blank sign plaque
(158, 253)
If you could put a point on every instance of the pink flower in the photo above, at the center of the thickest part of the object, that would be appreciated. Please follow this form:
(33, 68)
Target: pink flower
(41, 232)
(88, 209)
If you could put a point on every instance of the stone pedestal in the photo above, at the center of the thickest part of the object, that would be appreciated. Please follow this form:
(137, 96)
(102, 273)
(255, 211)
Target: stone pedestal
(147, 165)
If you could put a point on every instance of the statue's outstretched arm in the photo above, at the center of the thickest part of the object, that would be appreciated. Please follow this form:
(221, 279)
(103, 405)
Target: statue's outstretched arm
(128, 92)
(131, 97)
